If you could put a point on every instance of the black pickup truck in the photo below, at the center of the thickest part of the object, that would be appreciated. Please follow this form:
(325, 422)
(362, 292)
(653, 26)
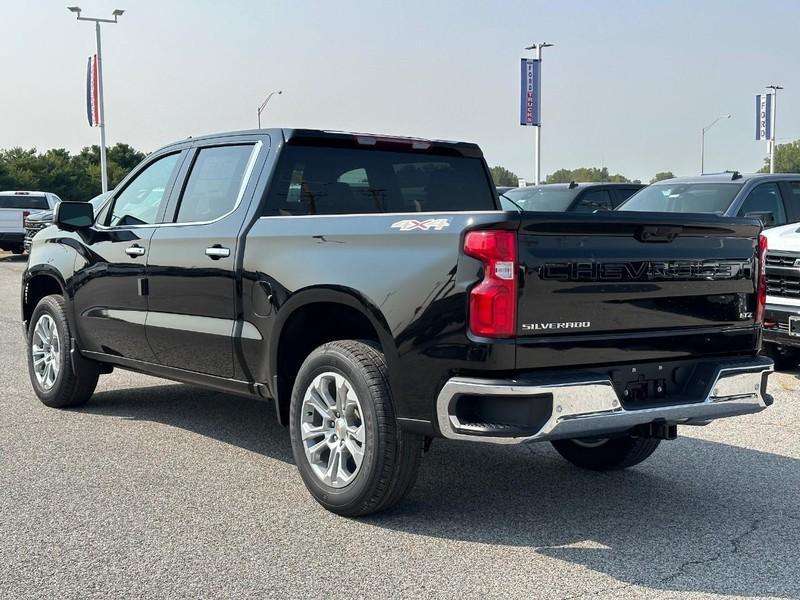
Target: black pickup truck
(374, 291)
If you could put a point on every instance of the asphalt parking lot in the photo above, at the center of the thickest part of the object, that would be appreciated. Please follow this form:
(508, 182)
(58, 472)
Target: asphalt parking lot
(156, 489)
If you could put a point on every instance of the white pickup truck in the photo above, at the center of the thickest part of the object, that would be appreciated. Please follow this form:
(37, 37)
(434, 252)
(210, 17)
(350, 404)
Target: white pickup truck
(14, 208)
(782, 316)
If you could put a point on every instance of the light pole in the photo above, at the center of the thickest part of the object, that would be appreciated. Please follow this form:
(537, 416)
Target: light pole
(264, 104)
(537, 48)
(101, 111)
(774, 89)
(703, 141)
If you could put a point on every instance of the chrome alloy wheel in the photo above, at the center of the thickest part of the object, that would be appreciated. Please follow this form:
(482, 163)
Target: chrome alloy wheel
(332, 429)
(46, 351)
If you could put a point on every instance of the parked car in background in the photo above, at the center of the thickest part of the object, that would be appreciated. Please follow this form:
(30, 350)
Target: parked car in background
(569, 197)
(503, 189)
(15, 207)
(775, 199)
(782, 315)
(37, 221)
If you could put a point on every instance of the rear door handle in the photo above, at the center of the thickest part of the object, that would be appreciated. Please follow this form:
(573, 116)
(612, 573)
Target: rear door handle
(216, 252)
(134, 251)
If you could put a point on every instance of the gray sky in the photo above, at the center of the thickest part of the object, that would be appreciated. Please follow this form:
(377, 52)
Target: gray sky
(628, 85)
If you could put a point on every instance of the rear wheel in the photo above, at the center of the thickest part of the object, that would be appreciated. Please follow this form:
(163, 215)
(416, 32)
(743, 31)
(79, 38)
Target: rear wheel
(606, 454)
(18, 250)
(350, 451)
(59, 379)
(785, 358)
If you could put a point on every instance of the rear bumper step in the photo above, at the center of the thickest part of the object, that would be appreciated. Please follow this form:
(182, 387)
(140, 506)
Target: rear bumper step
(588, 406)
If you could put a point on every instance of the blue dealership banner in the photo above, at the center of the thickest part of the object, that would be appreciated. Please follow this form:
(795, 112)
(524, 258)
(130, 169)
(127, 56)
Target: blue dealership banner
(530, 92)
(764, 116)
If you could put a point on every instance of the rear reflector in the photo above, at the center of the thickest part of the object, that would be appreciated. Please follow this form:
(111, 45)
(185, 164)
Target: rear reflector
(761, 288)
(493, 302)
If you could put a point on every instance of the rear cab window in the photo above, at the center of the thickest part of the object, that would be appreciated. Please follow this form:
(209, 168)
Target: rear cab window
(543, 198)
(312, 180)
(594, 201)
(24, 201)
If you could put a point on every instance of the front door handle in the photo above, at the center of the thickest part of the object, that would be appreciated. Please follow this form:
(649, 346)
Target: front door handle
(216, 252)
(134, 251)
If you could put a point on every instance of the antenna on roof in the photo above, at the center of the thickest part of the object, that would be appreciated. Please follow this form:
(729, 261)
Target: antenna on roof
(572, 185)
(735, 175)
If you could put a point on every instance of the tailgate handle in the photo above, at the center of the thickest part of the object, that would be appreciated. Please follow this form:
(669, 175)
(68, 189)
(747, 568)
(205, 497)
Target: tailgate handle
(658, 233)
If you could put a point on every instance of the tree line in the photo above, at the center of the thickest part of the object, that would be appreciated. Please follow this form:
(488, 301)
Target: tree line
(69, 176)
(77, 176)
(787, 160)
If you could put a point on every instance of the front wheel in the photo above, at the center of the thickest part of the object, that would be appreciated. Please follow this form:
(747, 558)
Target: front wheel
(350, 451)
(606, 454)
(59, 379)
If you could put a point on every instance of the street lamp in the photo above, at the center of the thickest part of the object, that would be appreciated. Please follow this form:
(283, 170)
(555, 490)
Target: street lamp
(703, 141)
(264, 104)
(537, 48)
(772, 142)
(101, 111)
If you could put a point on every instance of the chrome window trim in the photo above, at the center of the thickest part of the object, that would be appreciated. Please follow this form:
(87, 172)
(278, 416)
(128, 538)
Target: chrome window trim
(390, 214)
(248, 172)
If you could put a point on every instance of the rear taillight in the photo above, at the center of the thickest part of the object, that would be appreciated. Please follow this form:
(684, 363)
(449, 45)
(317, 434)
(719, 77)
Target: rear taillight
(761, 288)
(25, 214)
(493, 302)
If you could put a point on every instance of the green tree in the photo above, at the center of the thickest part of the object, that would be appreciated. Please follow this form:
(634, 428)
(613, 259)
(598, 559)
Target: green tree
(787, 158)
(70, 176)
(125, 156)
(585, 175)
(662, 175)
(504, 177)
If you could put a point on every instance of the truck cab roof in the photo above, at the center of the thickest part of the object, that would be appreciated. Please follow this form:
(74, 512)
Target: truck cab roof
(322, 137)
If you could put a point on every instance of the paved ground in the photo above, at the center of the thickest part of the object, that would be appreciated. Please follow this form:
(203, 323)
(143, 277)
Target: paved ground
(161, 490)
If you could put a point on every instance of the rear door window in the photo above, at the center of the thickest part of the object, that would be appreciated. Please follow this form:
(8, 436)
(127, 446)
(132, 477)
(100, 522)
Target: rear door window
(328, 181)
(24, 201)
(764, 201)
(214, 183)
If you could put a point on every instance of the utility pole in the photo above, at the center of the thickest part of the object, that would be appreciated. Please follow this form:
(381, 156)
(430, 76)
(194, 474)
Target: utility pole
(772, 141)
(537, 48)
(101, 110)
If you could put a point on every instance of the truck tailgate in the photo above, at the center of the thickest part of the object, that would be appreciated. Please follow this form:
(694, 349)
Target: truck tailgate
(10, 220)
(626, 287)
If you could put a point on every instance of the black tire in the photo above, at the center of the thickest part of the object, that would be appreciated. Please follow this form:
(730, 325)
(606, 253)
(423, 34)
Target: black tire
(391, 456)
(613, 454)
(77, 376)
(785, 359)
(19, 250)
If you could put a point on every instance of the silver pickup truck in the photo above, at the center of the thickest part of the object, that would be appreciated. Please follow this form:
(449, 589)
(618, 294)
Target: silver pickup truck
(14, 209)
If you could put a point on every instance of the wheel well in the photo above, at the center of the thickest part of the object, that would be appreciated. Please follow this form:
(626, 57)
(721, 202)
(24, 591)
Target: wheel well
(309, 327)
(36, 289)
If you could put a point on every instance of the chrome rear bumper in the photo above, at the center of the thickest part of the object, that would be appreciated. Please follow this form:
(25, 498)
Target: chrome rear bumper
(588, 406)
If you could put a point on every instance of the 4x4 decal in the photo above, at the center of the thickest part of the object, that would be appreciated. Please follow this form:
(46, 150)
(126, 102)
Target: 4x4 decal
(411, 224)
